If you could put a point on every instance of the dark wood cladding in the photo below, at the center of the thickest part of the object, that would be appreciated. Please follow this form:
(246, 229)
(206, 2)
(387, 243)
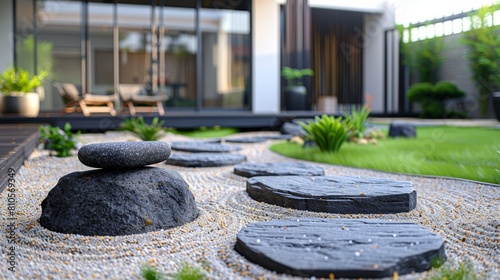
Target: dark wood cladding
(337, 55)
(296, 48)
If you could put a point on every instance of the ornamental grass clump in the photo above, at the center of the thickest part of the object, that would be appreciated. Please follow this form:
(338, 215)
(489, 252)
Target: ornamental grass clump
(139, 128)
(62, 141)
(327, 132)
(357, 121)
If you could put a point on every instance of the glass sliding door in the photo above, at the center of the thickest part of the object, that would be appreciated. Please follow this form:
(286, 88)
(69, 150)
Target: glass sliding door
(177, 55)
(226, 57)
(100, 76)
(59, 37)
(136, 45)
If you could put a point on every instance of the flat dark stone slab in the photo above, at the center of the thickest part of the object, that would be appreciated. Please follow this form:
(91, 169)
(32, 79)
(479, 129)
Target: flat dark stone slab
(205, 159)
(350, 248)
(292, 129)
(278, 137)
(118, 202)
(251, 169)
(334, 194)
(119, 155)
(246, 140)
(202, 147)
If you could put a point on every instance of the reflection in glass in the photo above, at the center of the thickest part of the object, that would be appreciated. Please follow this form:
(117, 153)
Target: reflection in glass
(100, 49)
(135, 43)
(177, 56)
(226, 57)
(59, 25)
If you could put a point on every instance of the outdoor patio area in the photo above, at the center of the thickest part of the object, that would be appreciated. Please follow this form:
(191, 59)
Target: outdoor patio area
(463, 213)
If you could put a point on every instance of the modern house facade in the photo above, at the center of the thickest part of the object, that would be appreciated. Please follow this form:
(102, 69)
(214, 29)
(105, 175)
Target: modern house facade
(205, 54)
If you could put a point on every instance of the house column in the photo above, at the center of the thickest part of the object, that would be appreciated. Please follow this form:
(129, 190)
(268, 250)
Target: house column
(266, 50)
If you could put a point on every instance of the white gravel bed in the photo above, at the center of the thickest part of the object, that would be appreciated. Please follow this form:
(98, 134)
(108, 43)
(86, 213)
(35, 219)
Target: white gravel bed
(465, 214)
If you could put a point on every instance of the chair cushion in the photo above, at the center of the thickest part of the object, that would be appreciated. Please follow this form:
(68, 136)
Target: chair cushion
(147, 98)
(128, 91)
(71, 91)
(98, 98)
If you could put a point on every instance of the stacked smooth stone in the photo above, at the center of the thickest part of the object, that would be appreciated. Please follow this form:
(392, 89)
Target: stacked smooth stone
(122, 196)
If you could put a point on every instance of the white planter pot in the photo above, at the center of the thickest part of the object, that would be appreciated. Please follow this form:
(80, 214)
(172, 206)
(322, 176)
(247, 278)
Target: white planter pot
(26, 105)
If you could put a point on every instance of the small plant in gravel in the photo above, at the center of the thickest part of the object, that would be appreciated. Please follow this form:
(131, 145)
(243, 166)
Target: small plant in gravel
(327, 132)
(189, 272)
(186, 272)
(62, 141)
(464, 271)
(150, 273)
(141, 129)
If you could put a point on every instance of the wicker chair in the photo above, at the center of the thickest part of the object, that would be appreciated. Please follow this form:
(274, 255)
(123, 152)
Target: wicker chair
(86, 103)
(135, 102)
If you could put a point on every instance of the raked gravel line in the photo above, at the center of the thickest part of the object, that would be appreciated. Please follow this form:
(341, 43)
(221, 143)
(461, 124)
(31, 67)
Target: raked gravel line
(465, 214)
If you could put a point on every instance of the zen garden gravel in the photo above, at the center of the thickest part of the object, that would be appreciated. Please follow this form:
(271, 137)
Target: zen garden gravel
(464, 214)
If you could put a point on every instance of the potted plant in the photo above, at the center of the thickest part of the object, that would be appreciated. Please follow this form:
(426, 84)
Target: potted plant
(17, 92)
(295, 92)
(483, 44)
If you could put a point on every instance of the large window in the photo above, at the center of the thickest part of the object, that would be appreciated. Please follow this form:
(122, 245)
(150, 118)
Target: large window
(177, 75)
(59, 28)
(100, 65)
(226, 58)
(197, 52)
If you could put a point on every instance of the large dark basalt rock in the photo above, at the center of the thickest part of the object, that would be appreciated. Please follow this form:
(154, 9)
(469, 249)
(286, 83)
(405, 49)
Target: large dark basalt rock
(334, 194)
(120, 155)
(350, 248)
(112, 202)
(205, 159)
(252, 169)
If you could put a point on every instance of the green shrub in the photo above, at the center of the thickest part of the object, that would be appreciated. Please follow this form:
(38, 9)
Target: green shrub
(357, 121)
(139, 128)
(327, 132)
(61, 141)
(433, 98)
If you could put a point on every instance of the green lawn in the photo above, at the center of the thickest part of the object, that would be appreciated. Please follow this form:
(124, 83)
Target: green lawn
(469, 153)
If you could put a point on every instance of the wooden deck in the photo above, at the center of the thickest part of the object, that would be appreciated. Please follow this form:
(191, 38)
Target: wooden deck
(17, 142)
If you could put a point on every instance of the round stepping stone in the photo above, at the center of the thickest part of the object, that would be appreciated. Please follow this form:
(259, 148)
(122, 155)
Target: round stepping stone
(251, 169)
(278, 137)
(119, 155)
(205, 159)
(247, 140)
(118, 202)
(334, 194)
(351, 248)
(200, 147)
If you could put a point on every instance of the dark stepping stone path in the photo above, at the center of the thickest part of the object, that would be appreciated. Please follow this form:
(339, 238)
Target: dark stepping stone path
(278, 137)
(334, 194)
(251, 169)
(208, 141)
(118, 202)
(200, 147)
(122, 155)
(205, 159)
(351, 248)
(292, 129)
(401, 129)
(247, 140)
